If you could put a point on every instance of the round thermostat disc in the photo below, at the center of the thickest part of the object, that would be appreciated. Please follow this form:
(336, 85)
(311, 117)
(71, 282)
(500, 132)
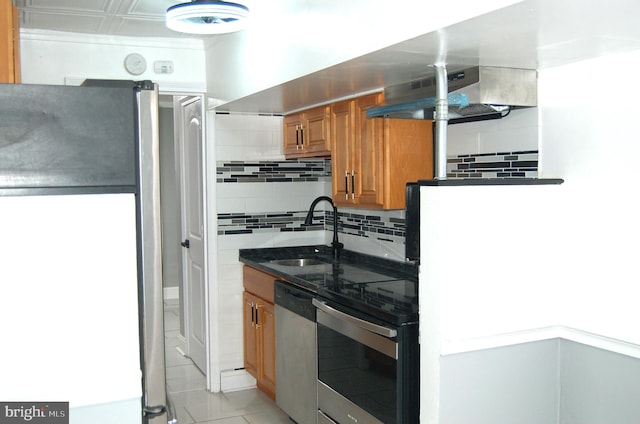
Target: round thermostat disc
(135, 64)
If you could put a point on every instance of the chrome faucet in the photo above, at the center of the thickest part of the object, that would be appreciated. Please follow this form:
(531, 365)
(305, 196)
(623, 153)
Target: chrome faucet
(336, 246)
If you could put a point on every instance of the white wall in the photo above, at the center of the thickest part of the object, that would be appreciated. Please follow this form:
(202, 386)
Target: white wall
(490, 261)
(50, 57)
(589, 137)
(241, 137)
(516, 132)
(571, 271)
(578, 237)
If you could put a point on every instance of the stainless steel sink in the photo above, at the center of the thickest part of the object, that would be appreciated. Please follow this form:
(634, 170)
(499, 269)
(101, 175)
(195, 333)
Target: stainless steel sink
(298, 262)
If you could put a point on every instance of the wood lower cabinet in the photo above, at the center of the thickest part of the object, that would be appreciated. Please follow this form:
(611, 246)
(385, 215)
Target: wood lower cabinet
(307, 133)
(267, 331)
(9, 43)
(250, 334)
(373, 159)
(259, 329)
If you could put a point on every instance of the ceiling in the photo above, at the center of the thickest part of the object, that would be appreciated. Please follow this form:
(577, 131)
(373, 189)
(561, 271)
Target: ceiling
(532, 34)
(137, 18)
(535, 34)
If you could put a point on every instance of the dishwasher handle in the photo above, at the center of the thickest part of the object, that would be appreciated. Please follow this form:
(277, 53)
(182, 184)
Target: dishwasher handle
(366, 325)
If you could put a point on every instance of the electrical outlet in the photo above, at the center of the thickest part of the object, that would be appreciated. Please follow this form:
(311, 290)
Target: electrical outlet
(163, 67)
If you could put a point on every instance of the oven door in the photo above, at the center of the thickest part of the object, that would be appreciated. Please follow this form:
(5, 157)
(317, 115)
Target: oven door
(357, 368)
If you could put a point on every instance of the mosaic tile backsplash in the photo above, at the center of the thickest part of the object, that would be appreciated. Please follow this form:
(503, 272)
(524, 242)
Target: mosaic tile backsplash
(238, 223)
(379, 227)
(274, 171)
(370, 224)
(494, 165)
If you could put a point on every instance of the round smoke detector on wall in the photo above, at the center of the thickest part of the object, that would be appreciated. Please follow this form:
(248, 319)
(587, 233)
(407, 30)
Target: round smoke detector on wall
(135, 64)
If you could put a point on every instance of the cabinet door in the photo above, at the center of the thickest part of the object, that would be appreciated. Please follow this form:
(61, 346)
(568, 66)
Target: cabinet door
(9, 42)
(316, 136)
(373, 159)
(250, 339)
(267, 336)
(369, 159)
(408, 160)
(342, 134)
(292, 142)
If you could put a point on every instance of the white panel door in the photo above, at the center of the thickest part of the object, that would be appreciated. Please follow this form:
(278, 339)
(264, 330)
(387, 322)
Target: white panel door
(193, 231)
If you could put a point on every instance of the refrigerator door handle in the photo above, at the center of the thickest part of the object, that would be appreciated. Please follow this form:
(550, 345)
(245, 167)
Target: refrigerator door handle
(172, 416)
(152, 411)
(150, 266)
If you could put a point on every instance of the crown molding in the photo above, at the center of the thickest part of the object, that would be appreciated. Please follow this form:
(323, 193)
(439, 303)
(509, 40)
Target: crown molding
(115, 40)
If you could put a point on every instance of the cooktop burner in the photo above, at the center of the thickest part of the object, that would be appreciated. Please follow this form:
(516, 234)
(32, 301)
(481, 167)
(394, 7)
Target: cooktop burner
(394, 301)
(328, 274)
(374, 292)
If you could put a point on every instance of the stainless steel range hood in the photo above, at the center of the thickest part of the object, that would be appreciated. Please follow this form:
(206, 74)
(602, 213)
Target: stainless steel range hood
(475, 93)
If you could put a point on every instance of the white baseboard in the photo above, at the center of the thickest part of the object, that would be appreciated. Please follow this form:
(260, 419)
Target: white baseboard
(171, 293)
(182, 345)
(234, 380)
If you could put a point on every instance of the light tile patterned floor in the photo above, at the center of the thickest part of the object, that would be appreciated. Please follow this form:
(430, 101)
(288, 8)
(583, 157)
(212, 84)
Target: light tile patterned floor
(194, 404)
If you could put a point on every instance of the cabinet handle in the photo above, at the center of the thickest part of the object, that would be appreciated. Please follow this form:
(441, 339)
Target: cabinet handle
(253, 315)
(297, 137)
(346, 185)
(257, 314)
(353, 184)
(301, 137)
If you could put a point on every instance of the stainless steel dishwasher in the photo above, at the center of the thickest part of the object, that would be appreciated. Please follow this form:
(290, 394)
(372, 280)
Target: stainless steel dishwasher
(296, 365)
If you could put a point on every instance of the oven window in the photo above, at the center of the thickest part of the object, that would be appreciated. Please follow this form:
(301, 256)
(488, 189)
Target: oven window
(363, 375)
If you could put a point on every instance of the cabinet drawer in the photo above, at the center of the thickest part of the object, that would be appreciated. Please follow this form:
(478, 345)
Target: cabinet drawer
(259, 283)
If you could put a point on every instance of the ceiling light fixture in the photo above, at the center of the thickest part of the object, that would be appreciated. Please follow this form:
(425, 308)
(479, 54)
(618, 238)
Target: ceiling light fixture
(207, 17)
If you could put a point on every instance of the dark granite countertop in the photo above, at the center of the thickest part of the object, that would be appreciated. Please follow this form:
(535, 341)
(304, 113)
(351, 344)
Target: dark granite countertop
(351, 267)
(383, 288)
(490, 181)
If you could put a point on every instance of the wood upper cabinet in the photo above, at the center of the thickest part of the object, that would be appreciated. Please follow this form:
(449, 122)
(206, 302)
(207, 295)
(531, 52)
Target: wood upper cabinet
(368, 175)
(9, 43)
(307, 133)
(342, 133)
(373, 159)
(259, 329)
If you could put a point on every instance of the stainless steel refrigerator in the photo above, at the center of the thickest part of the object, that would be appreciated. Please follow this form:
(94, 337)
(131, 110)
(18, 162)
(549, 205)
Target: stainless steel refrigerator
(81, 304)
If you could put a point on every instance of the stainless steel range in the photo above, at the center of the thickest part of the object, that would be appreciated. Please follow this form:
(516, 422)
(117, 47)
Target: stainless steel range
(366, 332)
(368, 353)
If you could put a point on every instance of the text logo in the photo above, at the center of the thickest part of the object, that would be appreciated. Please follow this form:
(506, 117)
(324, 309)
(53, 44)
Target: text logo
(34, 412)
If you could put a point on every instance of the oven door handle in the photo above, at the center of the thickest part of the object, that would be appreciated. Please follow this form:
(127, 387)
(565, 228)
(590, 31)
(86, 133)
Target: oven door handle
(366, 325)
(371, 335)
